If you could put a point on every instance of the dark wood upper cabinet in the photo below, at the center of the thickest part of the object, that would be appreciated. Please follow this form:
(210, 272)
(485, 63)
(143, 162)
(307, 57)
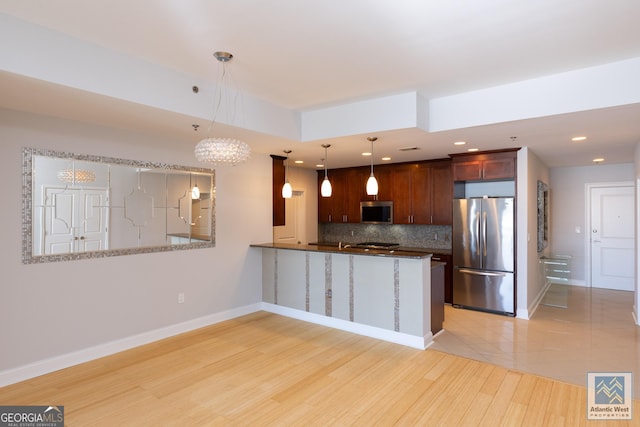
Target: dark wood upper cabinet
(441, 193)
(344, 203)
(277, 173)
(421, 192)
(487, 166)
(383, 176)
(411, 194)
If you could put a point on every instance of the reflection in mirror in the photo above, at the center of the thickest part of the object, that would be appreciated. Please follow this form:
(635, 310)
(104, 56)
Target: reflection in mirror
(80, 206)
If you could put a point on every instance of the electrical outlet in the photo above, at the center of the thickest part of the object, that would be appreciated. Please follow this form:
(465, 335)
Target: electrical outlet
(181, 298)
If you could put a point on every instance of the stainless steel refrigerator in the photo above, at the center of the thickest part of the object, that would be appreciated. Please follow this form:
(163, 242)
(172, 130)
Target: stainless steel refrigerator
(483, 254)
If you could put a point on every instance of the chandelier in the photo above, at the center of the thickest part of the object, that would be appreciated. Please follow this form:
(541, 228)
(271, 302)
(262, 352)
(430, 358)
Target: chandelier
(76, 176)
(221, 151)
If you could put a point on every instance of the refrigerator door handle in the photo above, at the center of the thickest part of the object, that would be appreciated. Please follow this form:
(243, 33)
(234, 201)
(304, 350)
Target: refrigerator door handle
(478, 233)
(481, 273)
(484, 234)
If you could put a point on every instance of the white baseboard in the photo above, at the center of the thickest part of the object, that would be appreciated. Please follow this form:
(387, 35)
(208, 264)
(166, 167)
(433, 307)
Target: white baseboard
(534, 305)
(12, 376)
(420, 343)
(529, 312)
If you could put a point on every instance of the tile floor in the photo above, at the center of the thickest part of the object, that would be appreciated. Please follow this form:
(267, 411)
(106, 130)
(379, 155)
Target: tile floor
(595, 333)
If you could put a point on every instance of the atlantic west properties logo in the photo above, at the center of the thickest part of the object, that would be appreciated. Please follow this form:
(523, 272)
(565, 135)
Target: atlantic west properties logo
(609, 396)
(31, 416)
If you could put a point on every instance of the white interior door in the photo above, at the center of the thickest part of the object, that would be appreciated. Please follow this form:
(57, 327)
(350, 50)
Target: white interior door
(612, 237)
(293, 230)
(75, 220)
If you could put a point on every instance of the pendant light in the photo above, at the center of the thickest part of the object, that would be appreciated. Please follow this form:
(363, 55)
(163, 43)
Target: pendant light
(217, 150)
(195, 191)
(325, 189)
(372, 183)
(287, 191)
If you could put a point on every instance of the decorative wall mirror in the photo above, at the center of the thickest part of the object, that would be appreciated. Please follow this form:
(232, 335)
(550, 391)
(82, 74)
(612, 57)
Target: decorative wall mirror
(543, 216)
(82, 206)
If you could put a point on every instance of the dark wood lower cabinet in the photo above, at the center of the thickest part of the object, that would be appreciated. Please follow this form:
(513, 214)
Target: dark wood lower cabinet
(437, 297)
(448, 275)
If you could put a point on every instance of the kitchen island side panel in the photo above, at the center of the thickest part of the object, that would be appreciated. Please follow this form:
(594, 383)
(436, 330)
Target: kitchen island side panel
(340, 295)
(317, 283)
(373, 291)
(269, 275)
(414, 300)
(291, 279)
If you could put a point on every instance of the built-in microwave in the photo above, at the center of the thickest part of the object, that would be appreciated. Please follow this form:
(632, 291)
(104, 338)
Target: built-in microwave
(376, 212)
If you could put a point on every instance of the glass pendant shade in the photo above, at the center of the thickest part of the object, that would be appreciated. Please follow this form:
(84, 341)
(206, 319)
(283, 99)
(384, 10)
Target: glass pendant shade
(195, 193)
(325, 189)
(372, 182)
(372, 185)
(287, 191)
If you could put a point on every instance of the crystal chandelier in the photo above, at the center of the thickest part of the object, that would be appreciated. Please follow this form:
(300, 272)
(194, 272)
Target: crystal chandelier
(221, 151)
(76, 176)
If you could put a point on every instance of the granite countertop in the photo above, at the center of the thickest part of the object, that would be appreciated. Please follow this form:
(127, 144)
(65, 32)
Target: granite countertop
(333, 248)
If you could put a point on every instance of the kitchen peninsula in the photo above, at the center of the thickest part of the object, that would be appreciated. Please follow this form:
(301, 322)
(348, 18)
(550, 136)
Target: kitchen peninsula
(394, 295)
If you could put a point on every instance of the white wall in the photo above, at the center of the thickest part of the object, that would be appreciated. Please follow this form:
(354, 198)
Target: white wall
(636, 308)
(55, 309)
(568, 209)
(530, 285)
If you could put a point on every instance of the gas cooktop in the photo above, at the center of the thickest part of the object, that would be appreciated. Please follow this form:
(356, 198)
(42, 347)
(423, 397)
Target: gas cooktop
(377, 245)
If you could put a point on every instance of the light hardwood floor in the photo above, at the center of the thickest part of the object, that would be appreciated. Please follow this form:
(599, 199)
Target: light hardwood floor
(595, 333)
(264, 369)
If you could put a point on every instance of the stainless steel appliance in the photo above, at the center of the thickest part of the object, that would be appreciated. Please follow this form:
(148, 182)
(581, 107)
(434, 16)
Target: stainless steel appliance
(377, 212)
(483, 254)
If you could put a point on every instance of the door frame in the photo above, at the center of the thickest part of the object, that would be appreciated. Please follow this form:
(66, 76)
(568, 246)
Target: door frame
(297, 204)
(588, 226)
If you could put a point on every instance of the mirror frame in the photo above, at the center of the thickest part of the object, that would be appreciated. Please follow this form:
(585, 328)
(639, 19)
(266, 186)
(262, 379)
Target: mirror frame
(543, 216)
(27, 207)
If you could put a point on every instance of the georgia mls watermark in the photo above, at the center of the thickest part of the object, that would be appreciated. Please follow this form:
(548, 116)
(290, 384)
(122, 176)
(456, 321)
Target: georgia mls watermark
(609, 395)
(32, 416)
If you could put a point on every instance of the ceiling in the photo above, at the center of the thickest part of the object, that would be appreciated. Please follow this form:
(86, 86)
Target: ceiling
(306, 55)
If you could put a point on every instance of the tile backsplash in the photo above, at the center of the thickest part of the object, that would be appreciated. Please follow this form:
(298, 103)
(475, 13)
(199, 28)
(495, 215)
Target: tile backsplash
(419, 236)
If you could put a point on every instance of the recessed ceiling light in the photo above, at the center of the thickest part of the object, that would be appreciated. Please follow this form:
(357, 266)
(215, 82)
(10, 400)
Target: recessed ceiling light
(320, 165)
(472, 149)
(598, 160)
(386, 159)
(459, 142)
(366, 153)
(578, 138)
(299, 162)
